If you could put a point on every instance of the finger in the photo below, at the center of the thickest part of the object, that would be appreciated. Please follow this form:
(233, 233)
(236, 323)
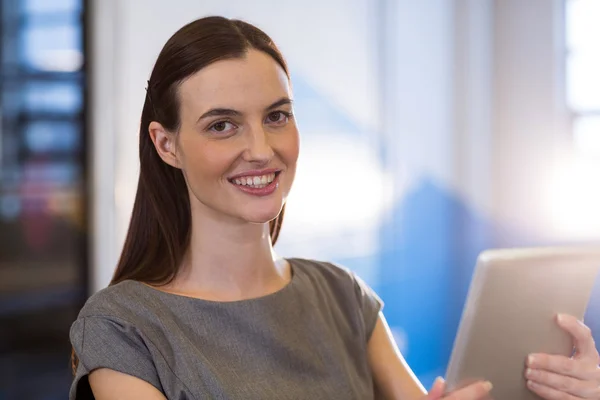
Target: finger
(437, 390)
(564, 384)
(475, 391)
(562, 365)
(582, 337)
(549, 393)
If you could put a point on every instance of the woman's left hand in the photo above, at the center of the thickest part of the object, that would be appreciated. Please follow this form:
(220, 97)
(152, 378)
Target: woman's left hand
(562, 378)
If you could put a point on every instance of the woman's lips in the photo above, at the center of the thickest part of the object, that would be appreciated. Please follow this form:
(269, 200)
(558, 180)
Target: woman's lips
(257, 185)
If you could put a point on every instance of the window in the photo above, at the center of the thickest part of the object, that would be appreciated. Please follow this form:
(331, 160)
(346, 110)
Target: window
(583, 79)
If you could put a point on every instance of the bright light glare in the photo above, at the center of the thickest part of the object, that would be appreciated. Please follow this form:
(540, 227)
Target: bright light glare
(340, 186)
(339, 194)
(583, 63)
(575, 200)
(586, 132)
(583, 29)
(583, 81)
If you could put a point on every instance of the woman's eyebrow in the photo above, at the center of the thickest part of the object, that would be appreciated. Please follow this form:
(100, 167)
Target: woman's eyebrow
(219, 112)
(228, 112)
(282, 101)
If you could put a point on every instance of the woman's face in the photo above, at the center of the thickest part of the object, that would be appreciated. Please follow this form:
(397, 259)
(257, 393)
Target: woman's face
(238, 141)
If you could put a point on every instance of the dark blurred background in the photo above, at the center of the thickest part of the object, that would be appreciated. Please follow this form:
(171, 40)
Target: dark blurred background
(43, 249)
(431, 130)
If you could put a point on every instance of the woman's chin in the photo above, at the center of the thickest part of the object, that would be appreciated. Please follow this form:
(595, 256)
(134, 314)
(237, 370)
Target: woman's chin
(262, 216)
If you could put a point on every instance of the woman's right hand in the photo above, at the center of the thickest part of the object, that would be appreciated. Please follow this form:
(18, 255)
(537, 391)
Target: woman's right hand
(475, 391)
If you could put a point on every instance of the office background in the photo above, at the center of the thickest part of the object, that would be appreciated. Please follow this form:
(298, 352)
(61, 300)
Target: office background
(431, 130)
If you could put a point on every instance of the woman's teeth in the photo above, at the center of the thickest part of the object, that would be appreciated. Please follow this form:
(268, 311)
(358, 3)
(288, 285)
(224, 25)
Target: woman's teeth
(255, 181)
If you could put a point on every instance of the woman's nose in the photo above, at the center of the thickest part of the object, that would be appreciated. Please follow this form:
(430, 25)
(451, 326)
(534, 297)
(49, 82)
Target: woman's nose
(258, 149)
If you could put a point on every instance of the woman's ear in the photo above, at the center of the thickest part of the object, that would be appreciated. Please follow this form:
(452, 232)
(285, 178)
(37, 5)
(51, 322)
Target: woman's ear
(164, 143)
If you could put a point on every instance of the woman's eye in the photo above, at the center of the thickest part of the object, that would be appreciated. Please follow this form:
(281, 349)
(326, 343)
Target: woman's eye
(222, 126)
(278, 117)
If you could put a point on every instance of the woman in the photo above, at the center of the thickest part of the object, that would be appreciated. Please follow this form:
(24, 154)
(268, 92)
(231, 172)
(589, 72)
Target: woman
(200, 306)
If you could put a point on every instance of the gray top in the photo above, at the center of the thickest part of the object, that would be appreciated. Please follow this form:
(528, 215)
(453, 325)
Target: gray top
(305, 341)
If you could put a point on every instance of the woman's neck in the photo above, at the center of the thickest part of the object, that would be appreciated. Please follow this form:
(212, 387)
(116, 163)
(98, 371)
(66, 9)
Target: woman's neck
(229, 262)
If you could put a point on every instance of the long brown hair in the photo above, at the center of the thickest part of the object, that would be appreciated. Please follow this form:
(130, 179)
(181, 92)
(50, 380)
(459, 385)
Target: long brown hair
(159, 230)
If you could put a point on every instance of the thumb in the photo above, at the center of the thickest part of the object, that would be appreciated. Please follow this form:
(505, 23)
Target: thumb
(437, 390)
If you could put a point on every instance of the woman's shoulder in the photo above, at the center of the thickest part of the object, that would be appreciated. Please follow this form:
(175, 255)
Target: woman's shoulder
(123, 300)
(325, 274)
(338, 286)
(333, 276)
(325, 269)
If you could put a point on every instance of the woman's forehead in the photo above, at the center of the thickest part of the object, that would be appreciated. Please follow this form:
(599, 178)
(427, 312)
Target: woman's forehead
(254, 81)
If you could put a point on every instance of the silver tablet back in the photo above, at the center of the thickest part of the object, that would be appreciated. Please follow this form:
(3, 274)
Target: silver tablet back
(510, 310)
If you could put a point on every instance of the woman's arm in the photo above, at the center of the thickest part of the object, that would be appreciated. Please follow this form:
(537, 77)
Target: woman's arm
(393, 377)
(108, 384)
(394, 380)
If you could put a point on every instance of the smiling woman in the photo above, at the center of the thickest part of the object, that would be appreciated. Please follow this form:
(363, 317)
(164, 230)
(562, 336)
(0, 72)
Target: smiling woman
(200, 306)
(224, 136)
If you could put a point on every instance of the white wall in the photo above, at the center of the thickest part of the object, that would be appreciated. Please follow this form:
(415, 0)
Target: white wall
(472, 102)
(540, 182)
(529, 114)
(103, 138)
(475, 101)
(420, 54)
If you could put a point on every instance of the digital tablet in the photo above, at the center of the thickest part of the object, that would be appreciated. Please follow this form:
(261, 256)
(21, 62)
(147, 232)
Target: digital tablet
(510, 312)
